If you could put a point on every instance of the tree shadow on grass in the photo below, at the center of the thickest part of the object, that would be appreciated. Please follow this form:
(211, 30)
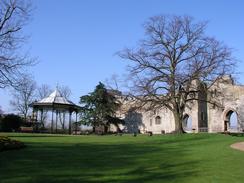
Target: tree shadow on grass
(105, 162)
(42, 136)
(237, 134)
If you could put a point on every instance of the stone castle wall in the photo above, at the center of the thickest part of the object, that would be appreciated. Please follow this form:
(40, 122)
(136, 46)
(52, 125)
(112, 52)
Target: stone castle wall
(203, 116)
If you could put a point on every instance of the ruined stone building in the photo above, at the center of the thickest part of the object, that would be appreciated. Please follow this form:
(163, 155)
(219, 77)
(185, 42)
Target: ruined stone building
(199, 116)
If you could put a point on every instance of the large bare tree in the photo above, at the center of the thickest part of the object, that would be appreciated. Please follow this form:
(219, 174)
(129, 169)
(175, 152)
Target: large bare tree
(14, 14)
(174, 62)
(24, 95)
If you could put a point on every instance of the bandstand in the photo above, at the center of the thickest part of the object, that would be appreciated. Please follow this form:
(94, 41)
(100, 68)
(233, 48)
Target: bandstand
(58, 105)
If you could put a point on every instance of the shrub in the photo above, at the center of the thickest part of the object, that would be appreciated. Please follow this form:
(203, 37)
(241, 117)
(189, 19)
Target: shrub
(11, 123)
(8, 144)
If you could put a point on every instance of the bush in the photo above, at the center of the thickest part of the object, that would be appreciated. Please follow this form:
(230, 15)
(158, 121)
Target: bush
(8, 144)
(11, 123)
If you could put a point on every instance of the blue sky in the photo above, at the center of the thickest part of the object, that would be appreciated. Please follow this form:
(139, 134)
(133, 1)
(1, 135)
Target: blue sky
(75, 41)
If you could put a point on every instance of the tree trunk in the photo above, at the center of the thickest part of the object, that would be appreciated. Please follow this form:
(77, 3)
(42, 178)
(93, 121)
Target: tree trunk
(105, 129)
(25, 117)
(118, 128)
(178, 123)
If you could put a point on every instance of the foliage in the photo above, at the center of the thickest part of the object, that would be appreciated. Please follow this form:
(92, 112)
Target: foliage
(8, 144)
(11, 123)
(115, 121)
(99, 107)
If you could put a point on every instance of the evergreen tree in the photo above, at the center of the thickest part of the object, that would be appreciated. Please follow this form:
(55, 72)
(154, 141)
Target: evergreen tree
(99, 108)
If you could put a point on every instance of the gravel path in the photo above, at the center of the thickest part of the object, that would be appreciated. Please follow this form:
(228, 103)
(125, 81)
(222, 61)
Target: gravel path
(238, 146)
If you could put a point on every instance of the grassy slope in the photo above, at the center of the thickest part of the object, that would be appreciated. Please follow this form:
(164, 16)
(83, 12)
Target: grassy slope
(110, 159)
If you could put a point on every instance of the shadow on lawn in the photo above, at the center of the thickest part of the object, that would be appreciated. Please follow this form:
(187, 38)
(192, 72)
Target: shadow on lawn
(43, 135)
(94, 162)
(237, 134)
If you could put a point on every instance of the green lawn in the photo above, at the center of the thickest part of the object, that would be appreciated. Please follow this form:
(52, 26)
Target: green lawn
(110, 159)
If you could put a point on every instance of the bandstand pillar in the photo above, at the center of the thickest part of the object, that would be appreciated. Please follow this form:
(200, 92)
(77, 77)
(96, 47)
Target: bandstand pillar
(56, 130)
(42, 117)
(70, 115)
(63, 120)
(52, 123)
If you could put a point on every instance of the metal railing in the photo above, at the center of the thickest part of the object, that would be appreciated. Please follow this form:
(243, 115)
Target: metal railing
(203, 129)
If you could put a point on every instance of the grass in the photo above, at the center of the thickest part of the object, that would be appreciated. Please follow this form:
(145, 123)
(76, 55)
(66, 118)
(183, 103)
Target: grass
(111, 159)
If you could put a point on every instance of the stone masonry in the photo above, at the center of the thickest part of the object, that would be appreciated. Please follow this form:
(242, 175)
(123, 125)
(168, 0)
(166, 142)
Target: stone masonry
(200, 116)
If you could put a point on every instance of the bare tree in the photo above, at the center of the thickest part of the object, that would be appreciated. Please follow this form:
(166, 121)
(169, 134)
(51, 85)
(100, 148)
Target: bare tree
(1, 111)
(174, 63)
(43, 91)
(113, 82)
(65, 91)
(14, 14)
(24, 95)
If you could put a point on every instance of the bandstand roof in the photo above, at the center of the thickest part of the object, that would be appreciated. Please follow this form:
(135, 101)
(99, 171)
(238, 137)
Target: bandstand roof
(55, 100)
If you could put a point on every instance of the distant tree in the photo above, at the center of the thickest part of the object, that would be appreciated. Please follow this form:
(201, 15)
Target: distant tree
(65, 91)
(113, 82)
(11, 122)
(23, 96)
(14, 15)
(1, 111)
(43, 91)
(99, 108)
(174, 63)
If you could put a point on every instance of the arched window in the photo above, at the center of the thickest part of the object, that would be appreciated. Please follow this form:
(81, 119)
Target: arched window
(151, 121)
(158, 120)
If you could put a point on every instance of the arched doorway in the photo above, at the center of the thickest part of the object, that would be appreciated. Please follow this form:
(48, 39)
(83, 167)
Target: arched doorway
(231, 121)
(187, 123)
